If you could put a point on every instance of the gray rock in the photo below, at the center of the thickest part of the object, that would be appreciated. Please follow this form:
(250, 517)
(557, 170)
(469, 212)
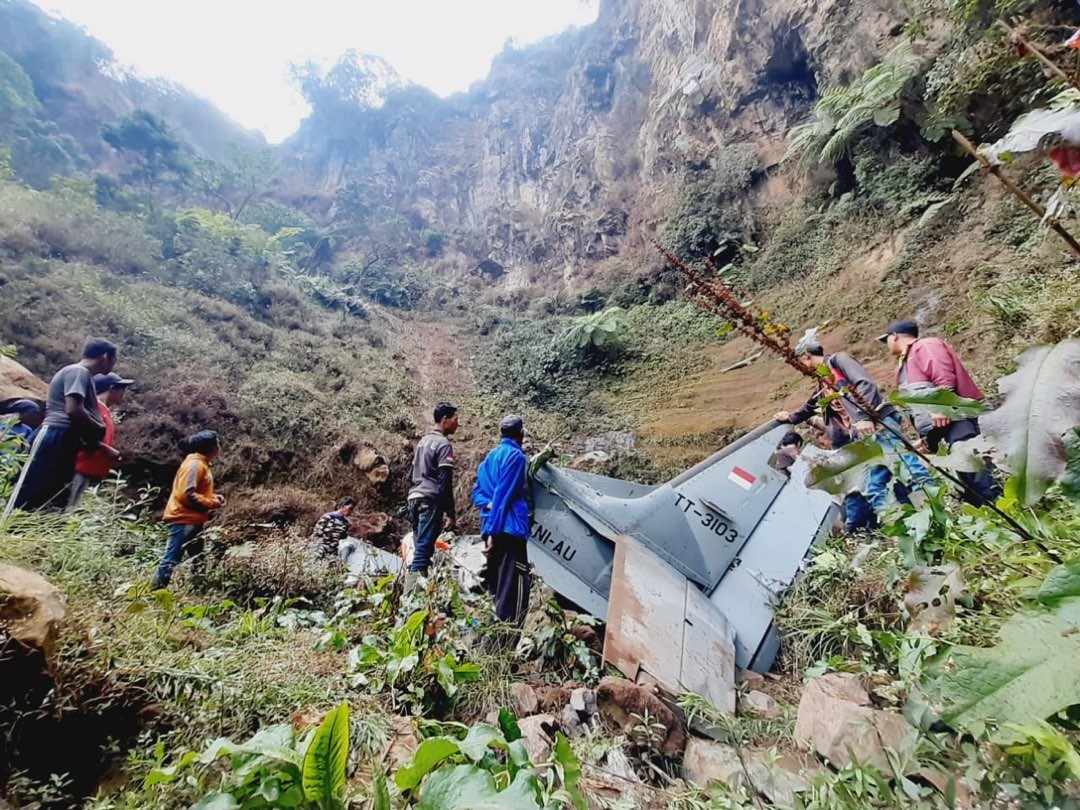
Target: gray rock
(836, 721)
(778, 779)
(535, 734)
(583, 701)
(570, 721)
(759, 704)
(525, 700)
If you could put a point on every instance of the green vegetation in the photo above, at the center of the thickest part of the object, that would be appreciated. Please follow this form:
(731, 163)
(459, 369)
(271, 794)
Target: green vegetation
(299, 323)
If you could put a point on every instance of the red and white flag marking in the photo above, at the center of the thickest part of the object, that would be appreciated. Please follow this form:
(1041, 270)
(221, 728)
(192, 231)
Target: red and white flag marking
(741, 478)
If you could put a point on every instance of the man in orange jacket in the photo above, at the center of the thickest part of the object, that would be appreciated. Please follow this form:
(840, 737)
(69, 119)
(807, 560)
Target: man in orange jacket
(93, 466)
(191, 504)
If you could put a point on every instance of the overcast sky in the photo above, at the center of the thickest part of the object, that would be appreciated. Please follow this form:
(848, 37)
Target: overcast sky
(237, 52)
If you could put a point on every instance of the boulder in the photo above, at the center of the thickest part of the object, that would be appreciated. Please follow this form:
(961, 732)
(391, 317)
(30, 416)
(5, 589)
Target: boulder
(706, 761)
(759, 704)
(552, 698)
(622, 704)
(370, 525)
(836, 720)
(538, 734)
(778, 779)
(31, 609)
(524, 699)
(17, 382)
(372, 464)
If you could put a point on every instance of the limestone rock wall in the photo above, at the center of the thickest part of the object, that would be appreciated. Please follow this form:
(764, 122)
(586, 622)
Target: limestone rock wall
(560, 156)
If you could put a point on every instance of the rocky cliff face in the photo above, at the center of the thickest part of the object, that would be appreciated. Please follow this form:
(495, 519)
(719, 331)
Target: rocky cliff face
(568, 147)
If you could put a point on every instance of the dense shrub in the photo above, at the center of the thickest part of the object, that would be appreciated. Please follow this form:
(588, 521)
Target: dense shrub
(899, 184)
(713, 217)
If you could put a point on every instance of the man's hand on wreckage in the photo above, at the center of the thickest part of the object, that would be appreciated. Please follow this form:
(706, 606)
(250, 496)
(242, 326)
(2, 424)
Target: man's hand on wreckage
(939, 420)
(782, 416)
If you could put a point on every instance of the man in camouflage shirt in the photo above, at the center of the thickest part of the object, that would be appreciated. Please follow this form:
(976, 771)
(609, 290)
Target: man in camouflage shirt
(331, 529)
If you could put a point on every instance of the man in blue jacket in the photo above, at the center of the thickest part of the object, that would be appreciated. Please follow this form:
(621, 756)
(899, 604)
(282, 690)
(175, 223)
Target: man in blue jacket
(502, 495)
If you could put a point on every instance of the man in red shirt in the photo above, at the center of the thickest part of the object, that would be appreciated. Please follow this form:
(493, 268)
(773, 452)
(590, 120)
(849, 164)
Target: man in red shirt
(92, 466)
(929, 363)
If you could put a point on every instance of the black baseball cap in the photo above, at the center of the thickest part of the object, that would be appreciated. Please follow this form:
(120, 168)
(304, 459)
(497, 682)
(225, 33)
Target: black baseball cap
(103, 382)
(900, 328)
(444, 410)
(24, 406)
(512, 424)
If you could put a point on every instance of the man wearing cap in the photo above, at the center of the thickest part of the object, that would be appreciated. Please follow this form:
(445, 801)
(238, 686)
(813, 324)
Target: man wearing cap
(431, 498)
(93, 466)
(72, 421)
(29, 415)
(845, 421)
(931, 363)
(502, 495)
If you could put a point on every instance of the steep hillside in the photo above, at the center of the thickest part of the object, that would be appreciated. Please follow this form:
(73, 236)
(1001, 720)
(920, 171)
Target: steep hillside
(569, 148)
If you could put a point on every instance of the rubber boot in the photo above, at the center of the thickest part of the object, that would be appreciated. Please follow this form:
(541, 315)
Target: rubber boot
(412, 579)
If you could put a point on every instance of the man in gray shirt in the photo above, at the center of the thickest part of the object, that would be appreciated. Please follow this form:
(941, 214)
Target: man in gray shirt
(72, 422)
(431, 498)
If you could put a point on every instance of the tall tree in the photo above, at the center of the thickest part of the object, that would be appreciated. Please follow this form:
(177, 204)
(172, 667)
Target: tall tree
(237, 180)
(153, 152)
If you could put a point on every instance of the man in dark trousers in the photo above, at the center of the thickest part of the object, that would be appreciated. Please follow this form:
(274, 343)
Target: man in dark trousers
(929, 363)
(845, 421)
(431, 498)
(72, 422)
(502, 495)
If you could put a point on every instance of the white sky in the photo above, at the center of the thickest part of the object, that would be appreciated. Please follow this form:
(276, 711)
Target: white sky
(237, 52)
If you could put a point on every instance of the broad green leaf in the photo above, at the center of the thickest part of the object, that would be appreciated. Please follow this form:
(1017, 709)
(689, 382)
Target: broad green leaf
(467, 787)
(327, 759)
(843, 470)
(938, 400)
(428, 755)
(509, 725)
(381, 789)
(273, 742)
(965, 456)
(570, 769)
(216, 801)
(1030, 674)
(519, 755)
(1063, 582)
(168, 774)
(1041, 402)
(478, 741)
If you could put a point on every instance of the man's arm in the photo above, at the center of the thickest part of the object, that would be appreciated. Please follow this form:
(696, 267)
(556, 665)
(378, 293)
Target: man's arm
(481, 494)
(445, 498)
(80, 417)
(807, 411)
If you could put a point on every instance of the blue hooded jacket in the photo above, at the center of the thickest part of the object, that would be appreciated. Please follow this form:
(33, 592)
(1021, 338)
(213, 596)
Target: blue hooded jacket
(502, 491)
